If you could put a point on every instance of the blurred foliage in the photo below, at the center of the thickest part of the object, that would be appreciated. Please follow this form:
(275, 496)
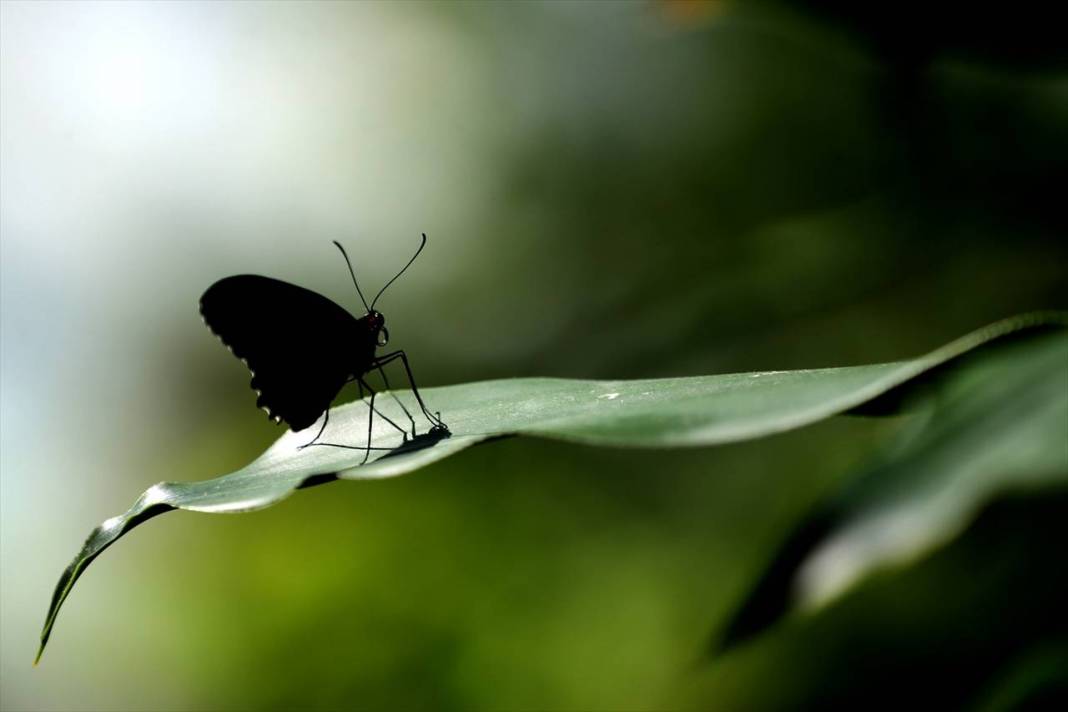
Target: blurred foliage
(617, 192)
(948, 628)
(996, 427)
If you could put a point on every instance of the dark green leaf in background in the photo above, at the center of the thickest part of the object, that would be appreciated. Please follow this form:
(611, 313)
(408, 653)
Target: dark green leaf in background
(997, 425)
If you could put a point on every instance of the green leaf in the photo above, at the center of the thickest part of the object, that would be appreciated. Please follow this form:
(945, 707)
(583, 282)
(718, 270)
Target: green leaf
(998, 424)
(674, 412)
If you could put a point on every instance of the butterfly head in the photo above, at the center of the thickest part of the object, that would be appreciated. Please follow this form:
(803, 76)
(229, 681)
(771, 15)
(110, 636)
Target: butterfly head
(376, 327)
(373, 321)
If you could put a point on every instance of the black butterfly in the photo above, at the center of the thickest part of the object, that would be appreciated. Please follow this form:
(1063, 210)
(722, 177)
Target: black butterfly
(302, 348)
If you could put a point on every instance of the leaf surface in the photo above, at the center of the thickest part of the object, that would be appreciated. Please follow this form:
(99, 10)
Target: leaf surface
(659, 413)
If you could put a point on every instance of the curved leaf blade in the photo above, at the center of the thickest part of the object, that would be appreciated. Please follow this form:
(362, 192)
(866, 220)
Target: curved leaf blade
(675, 412)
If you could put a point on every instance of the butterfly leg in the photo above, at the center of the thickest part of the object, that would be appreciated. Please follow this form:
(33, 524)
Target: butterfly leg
(385, 379)
(370, 427)
(326, 419)
(371, 418)
(372, 411)
(361, 384)
(435, 420)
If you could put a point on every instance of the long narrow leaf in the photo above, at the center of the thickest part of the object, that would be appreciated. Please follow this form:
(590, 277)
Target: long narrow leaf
(674, 412)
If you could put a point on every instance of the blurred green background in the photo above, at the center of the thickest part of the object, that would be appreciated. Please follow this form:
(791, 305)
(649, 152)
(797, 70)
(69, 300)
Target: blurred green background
(611, 190)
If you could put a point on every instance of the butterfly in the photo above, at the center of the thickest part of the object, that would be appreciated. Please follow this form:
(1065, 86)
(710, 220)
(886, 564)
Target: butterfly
(301, 348)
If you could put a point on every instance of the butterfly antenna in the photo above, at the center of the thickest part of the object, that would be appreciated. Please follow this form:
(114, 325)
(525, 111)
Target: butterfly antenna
(346, 256)
(421, 246)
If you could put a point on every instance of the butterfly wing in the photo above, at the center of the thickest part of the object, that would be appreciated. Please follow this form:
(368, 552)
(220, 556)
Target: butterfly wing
(296, 343)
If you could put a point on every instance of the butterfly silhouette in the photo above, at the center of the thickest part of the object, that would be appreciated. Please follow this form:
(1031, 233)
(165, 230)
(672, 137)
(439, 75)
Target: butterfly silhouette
(301, 348)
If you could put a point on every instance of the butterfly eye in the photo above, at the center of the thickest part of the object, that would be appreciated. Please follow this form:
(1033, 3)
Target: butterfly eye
(383, 336)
